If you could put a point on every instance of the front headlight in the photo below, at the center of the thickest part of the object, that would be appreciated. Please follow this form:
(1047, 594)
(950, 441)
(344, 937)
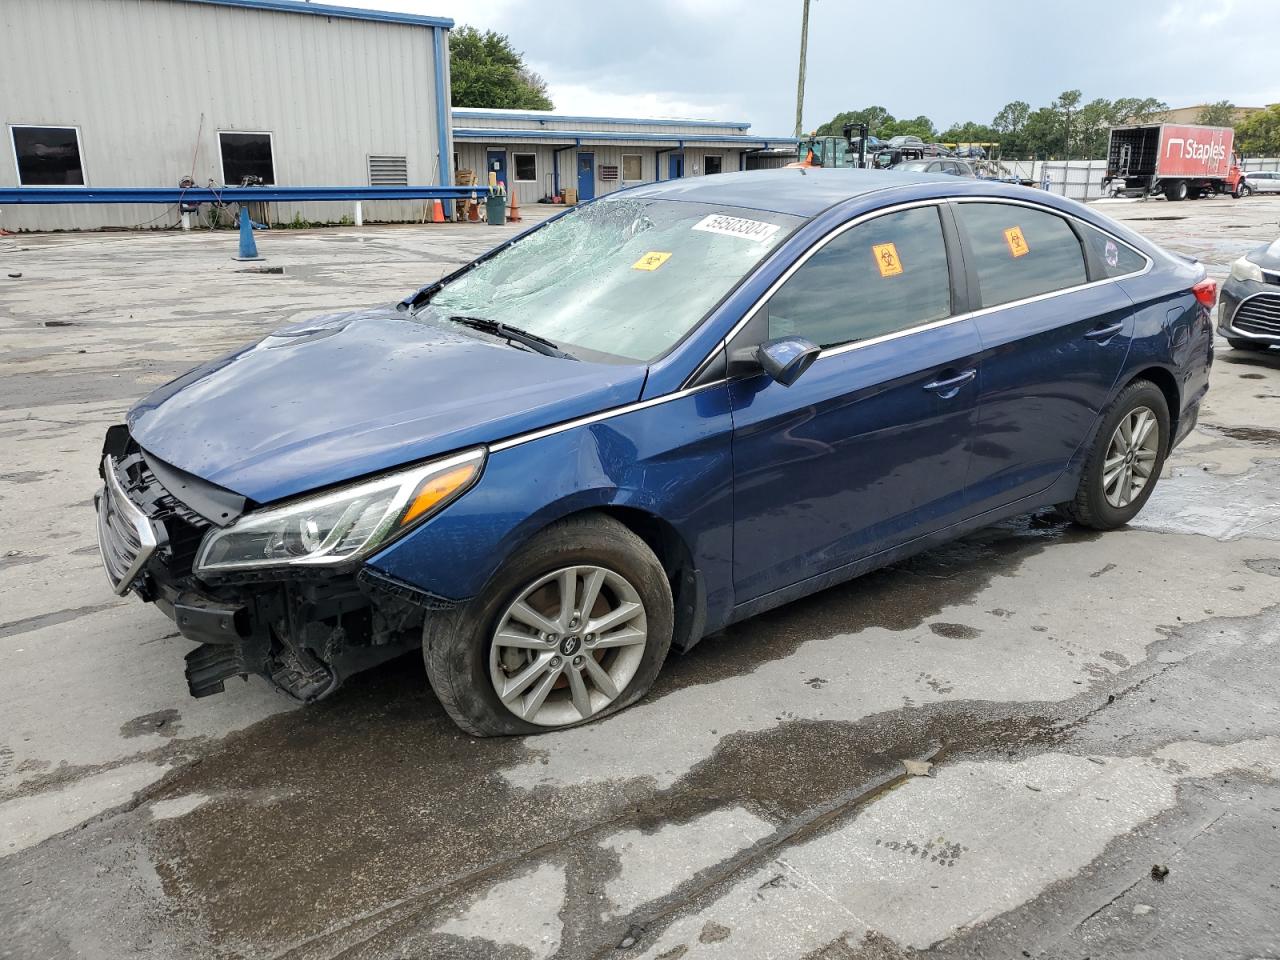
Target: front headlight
(347, 524)
(1246, 269)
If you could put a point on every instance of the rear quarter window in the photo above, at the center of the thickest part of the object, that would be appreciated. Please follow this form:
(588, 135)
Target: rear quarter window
(1020, 252)
(1111, 257)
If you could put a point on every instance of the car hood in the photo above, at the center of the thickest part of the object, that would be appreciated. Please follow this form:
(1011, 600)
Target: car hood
(1267, 257)
(351, 394)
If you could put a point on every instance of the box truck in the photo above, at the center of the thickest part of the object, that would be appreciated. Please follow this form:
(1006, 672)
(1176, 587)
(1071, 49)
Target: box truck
(1178, 160)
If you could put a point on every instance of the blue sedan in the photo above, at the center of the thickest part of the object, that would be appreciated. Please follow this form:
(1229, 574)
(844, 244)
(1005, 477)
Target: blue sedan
(649, 417)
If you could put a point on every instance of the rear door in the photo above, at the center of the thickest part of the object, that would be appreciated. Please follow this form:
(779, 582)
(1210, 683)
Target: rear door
(870, 447)
(1055, 334)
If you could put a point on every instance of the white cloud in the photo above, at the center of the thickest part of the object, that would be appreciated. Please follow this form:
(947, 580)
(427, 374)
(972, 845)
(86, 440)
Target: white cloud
(585, 100)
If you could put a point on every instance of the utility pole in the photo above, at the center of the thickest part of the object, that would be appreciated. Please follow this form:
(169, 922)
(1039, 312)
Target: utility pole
(804, 47)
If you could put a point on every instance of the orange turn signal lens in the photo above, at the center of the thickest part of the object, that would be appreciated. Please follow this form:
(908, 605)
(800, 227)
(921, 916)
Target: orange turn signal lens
(437, 489)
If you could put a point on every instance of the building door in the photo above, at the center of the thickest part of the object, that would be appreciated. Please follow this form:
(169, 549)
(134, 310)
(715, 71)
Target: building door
(496, 163)
(586, 176)
(675, 166)
(712, 164)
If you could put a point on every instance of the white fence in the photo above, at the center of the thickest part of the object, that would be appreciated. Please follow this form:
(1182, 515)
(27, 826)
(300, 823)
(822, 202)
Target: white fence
(1082, 179)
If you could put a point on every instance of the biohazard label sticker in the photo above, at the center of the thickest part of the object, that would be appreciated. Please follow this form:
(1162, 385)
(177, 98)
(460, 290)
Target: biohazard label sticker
(1112, 254)
(1017, 242)
(887, 259)
(651, 260)
(756, 231)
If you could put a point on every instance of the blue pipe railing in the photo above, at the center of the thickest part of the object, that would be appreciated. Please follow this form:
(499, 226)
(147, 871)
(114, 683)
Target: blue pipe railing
(168, 195)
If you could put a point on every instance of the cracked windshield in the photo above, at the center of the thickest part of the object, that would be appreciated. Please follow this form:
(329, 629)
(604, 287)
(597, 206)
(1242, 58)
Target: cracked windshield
(621, 279)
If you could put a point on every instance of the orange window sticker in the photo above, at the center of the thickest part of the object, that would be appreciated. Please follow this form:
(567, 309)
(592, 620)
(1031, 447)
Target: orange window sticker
(1017, 242)
(887, 259)
(651, 260)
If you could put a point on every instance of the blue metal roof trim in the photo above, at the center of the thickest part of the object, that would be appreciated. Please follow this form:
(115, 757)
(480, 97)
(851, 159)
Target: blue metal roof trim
(325, 10)
(497, 133)
(566, 118)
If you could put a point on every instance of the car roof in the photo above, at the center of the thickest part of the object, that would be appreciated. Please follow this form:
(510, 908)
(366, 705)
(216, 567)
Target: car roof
(799, 191)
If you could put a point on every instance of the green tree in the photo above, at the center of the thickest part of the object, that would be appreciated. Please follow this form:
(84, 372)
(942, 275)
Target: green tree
(873, 117)
(1259, 133)
(1012, 117)
(486, 71)
(1220, 114)
(969, 132)
(1090, 127)
(921, 127)
(1138, 110)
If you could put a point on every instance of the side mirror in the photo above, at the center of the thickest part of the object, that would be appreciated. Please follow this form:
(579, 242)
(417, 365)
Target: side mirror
(783, 359)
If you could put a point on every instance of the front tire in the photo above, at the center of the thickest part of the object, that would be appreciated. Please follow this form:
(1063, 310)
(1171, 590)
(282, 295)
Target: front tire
(526, 656)
(1243, 191)
(1126, 459)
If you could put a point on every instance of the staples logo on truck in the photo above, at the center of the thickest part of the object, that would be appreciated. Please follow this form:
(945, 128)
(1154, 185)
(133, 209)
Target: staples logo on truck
(1195, 151)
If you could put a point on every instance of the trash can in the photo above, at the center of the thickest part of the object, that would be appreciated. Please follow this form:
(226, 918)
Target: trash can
(495, 210)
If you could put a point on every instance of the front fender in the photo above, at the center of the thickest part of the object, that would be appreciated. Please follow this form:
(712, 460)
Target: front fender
(671, 460)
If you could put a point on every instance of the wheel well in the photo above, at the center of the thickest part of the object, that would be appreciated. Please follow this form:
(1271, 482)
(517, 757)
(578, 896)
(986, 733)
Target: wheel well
(674, 555)
(1163, 379)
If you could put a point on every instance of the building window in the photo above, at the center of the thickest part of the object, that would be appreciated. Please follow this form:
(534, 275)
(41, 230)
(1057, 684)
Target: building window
(48, 156)
(713, 164)
(526, 167)
(385, 171)
(247, 156)
(631, 167)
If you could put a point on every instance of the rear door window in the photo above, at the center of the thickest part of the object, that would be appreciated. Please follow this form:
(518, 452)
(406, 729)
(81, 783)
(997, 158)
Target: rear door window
(880, 277)
(1019, 252)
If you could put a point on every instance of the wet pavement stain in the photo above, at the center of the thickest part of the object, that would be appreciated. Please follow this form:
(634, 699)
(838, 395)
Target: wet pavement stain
(165, 723)
(1249, 434)
(955, 631)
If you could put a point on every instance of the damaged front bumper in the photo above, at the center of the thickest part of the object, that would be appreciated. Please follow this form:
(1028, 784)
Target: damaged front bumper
(303, 630)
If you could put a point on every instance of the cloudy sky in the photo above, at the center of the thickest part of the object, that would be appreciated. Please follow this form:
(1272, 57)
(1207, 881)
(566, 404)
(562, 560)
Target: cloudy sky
(950, 61)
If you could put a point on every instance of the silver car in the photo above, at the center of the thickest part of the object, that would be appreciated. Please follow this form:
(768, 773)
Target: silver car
(1249, 303)
(1258, 181)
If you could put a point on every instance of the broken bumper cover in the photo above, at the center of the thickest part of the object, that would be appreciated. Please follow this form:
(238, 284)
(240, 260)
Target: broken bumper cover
(302, 630)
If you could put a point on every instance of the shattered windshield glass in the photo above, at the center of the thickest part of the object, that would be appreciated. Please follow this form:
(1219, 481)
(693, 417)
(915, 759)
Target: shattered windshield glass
(617, 279)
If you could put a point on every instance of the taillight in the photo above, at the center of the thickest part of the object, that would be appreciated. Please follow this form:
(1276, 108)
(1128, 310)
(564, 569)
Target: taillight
(1206, 292)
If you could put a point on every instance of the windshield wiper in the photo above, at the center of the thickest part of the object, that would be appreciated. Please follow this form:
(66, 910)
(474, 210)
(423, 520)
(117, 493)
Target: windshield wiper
(523, 337)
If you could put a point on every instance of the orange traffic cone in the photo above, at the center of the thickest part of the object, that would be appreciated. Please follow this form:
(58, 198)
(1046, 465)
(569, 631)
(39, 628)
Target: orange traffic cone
(437, 211)
(513, 215)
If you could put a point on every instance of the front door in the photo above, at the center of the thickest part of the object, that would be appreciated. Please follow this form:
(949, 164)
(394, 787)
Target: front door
(1051, 357)
(870, 447)
(496, 164)
(675, 166)
(586, 176)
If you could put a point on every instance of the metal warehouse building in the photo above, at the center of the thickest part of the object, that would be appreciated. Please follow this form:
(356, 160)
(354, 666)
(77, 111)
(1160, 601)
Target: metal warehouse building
(537, 154)
(112, 93)
(160, 94)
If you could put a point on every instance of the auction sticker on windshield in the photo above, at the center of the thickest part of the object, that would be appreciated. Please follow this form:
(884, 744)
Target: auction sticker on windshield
(651, 260)
(754, 230)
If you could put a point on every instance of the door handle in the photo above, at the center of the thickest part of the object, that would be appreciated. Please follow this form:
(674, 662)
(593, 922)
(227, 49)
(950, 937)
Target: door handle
(1098, 334)
(948, 388)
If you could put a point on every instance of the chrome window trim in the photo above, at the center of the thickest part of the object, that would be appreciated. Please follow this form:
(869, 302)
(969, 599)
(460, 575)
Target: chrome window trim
(686, 390)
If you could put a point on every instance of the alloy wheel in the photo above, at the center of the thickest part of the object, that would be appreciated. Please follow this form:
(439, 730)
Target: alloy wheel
(568, 645)
(1131, 457)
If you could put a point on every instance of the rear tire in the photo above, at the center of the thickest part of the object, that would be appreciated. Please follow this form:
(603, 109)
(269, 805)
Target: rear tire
(1099, 502)
(465, 668)
(1176, 190)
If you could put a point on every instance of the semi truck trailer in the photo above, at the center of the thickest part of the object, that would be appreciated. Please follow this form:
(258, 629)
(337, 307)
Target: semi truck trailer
(1179, 160)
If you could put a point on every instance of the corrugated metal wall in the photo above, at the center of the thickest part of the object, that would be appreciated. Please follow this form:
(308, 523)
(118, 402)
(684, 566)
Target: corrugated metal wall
(136, 75)
(474, 155)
